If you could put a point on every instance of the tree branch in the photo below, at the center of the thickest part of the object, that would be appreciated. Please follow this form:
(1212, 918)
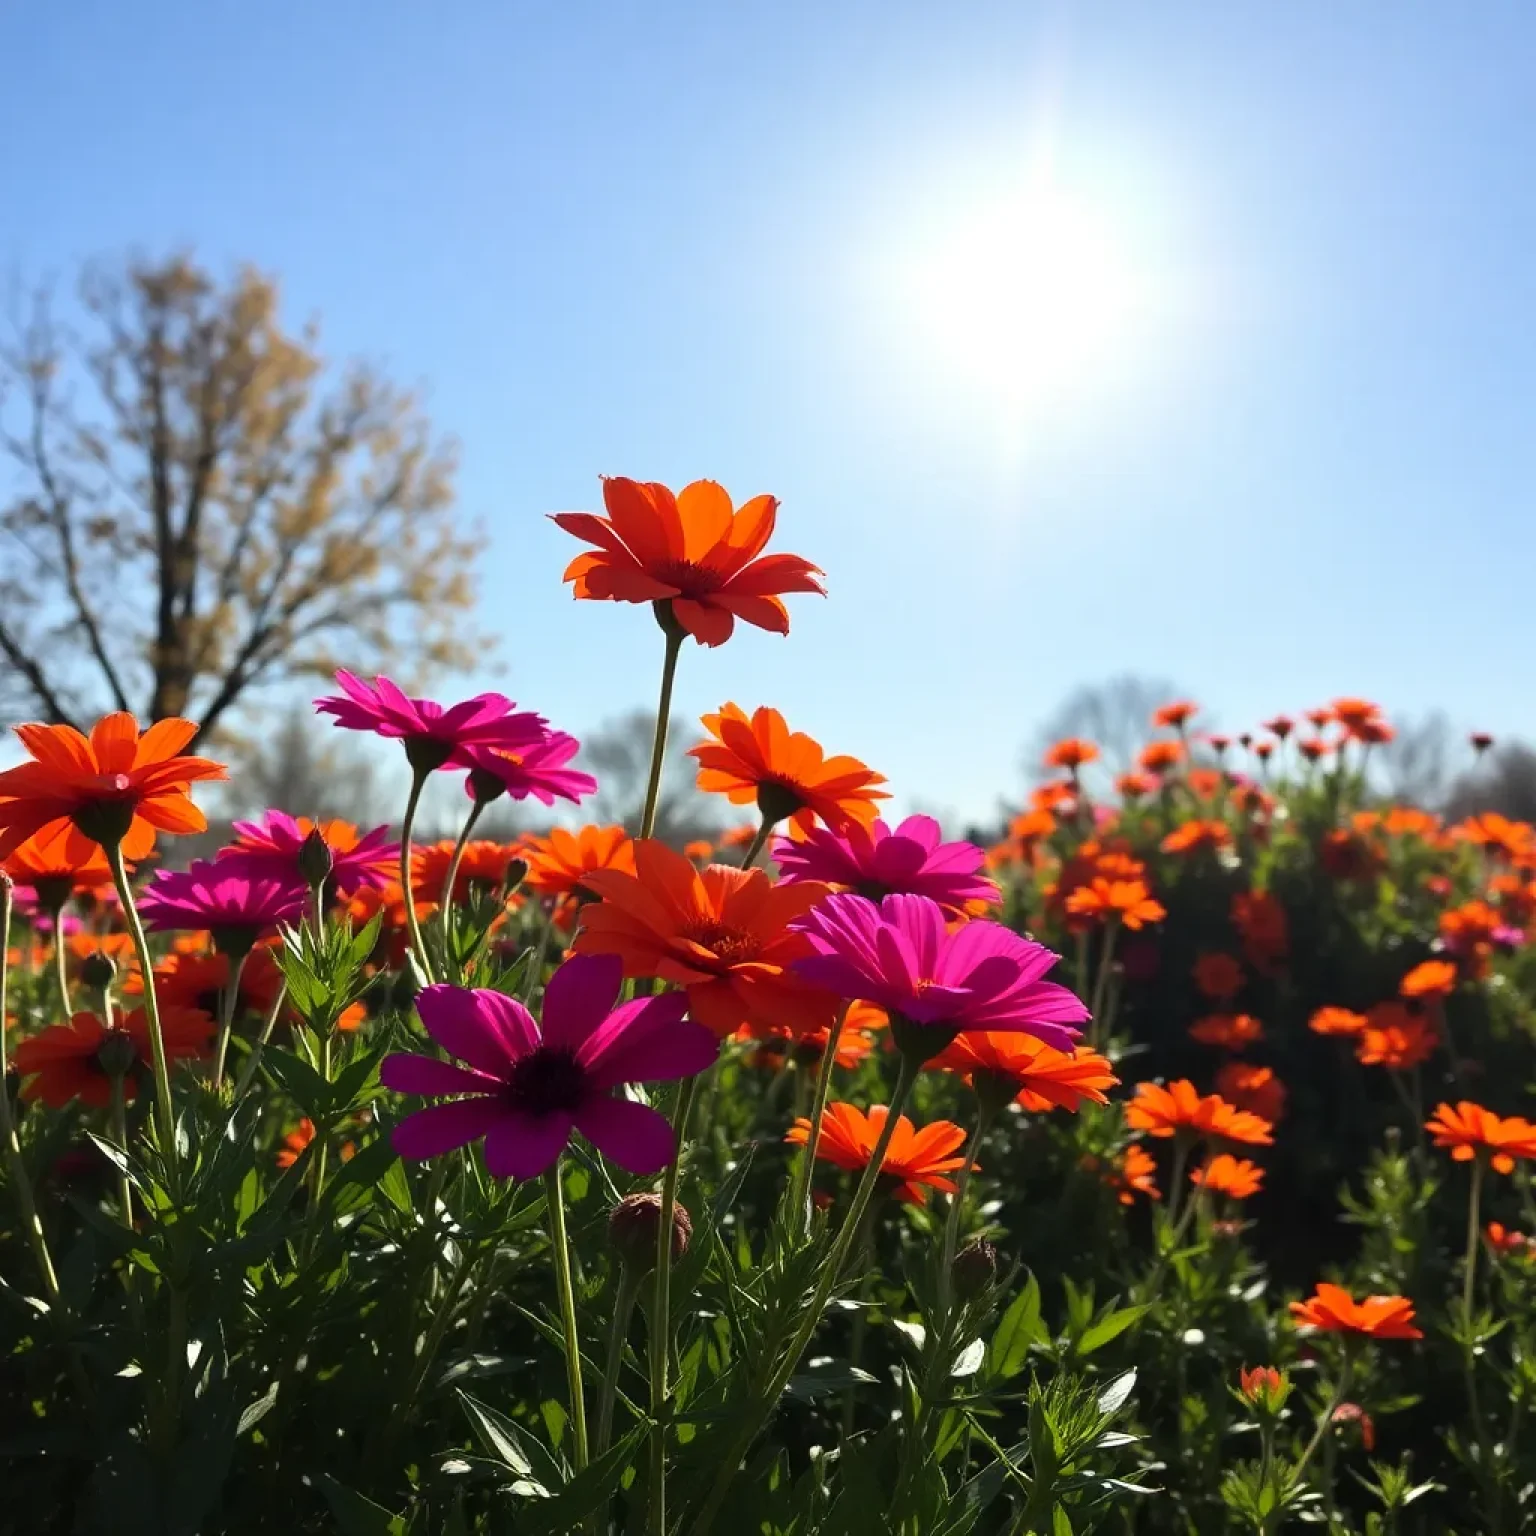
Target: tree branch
(30, 669)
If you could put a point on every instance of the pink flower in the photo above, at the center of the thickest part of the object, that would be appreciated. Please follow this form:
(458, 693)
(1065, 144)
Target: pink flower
(524, 1090)
(901, 956)
(433, 736)
(878, 862)
(272, 846)
(538, 771)
(234, 899)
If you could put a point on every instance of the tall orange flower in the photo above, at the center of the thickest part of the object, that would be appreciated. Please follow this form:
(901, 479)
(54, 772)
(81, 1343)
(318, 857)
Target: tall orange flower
(1160, 757)
(46, 863)
(720, 933)
(1032, 1073)
(1228, 1175)
(1337, 1021)
(1177, 714)
(1467, 1129)
(113, 788)
(68, 1061)
(784, 772)
(914, 1159)
(559, 864)
(1230, 1031)
(1395, 1037)
(1101, 900)
(1071, 754)
(1179, 1108)
(1430, 978)
(1194, 835)
(1501, 836)
(1333, 1310)
(692, 552)
(484, 864)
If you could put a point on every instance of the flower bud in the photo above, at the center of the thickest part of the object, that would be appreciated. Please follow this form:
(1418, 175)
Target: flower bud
(634, 1226)
(1264, 1388)
(974, 1269)
(485, 786)
(117, 1055)
(97, 970)
(315, 861)
(517, 872)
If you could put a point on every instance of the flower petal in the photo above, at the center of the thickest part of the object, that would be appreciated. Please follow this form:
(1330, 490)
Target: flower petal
(634, 1136)
(580, 995)
(484, 1028)
(647, 1041)
(444, 1127)
(407, 1072)
(521, 1146)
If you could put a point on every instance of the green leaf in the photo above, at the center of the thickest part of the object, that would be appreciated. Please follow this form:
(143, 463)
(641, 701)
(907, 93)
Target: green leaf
(1108, 1327)
(1117, 1394)
(356, 1515)
(1018, 1331)
(505, 1443)
(300, 1081)
(567, 1510)
(969, 1360)
(827, 1375)
(1061, 1524)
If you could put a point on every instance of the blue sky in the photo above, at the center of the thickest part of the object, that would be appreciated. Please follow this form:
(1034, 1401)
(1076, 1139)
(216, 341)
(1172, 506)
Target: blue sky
(684, 241)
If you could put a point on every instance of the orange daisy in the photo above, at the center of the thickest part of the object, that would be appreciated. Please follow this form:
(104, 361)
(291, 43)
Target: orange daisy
(63, 1061)
(1030, 1072)
(1219, 976)
(113, 788)
(1176, 715)
(1255, 1089)
(559, 863)
(1467, 1129)
(691, 552)
(1160, 757)
(1194, 835)
(1071, 754)
(1228, 1175)
(46, 863)
(720, 933)
(483, 865)
(1337, 1021)
(1230, 1031)
(1179, 1108)
(916, 1159)
(1430, 978)
(299, 1138)
(1333, 1310)
(1395, 1037)
(1102, 900)
(784, 772)
(1508, 839)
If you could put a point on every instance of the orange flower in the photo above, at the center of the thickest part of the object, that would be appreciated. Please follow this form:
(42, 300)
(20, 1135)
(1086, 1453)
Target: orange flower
(559, 864)
(1228, 1175)
(1230, 1031)
(1336, 1021)
(47, 864)
(1395, 1037)
(1312, 748)
(1360, 719)
(1431, 978)
(1102, 900)
(867, 1016)
(484, 865)
(193, 981)
(1160, 757)
(1255, 1089)
(1194, 835)
(64, 1061)
(1265, 930)
(299, 1138)
(1333, 1310)
(720, 933)
(784, 772)
(739, 837)
(691, 552)
(1219, 976)
(853, 1045)
(1176, 715)
(914, 1158)
(1205, 783)
(1502, 1240)
(1507, 839)
(1033, 1074)
(1468, 1129)
(1469, 926)
(1071, 754)
(1179, 1107)
(1135, 786)
(1347, 856)
(700, 850)
(1133, 1173)
(113, 788)
(1264, 1387)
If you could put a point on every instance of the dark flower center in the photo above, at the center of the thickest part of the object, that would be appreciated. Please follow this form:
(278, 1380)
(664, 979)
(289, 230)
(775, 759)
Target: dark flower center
(729, 945)
(689, 579)
(776, 800)
(548, 1079)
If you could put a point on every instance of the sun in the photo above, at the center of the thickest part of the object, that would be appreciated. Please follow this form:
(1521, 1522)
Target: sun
(1026, 297)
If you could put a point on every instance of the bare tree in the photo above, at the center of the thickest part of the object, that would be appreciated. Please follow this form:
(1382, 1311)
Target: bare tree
(1415, 765)
(1504, 781)
(619, 753)
(1117, 714)
(194, 516)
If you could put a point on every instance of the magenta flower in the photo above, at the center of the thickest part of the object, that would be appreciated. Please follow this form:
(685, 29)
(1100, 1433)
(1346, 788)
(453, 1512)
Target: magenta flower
(538, 771)
(272, 846)
(235, 900)
(524, 1090)
(433, 736)
(877, 862)
(900, 955)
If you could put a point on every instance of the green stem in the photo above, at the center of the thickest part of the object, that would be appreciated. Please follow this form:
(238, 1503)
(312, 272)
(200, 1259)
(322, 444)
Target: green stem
(60, 965)
(755, 847)
(248, 1071)
(659, 741)
(164, 1109)
(1096, 1033)
(536, 963)
(20, 1183)
(318, 1162)
(227, 1005)
(1474, 1222)
(412, 922)
(827, 1277)
(629, 1289)
(561, 1253)
(956, 1202)
(660, 1342)
(801, 1209)
(120, 1131)
(1326, 1417)
(445, 916)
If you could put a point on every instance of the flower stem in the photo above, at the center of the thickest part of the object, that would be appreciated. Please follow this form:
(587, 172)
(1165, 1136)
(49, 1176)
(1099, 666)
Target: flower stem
(120, 1131)
(1097, 1035)
(629, 1289)
(164, 1109)
(802, 1201)
(659, 741)
(661, 1313)
(248, 1071)
(956, 1201)
(560, 1251)
(60, 967)
(826, 1279)
(445, 917)
(755, 847)
(536, 962)
(1326, 1417)
(227, 1005)
(20, 1183)
(412, 922)
(1474, 1218)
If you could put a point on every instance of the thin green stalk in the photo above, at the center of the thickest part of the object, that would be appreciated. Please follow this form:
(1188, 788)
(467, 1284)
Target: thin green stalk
(445, 914)
(660, 1342)
(956, 1202)
(536, 964)
(674, 649)
(1326, 1417)
(60, 967)
(227, 1005)
(831, 1267)
(629, 1289)
(561, 1253)
(164, 1109)
(755, 847)
(1474, 1227)
(120, 1132)
(1097, 1036)
(20, 1183)
(802, 1199)
(253, 1060)
(412, 922)
(318, 1161)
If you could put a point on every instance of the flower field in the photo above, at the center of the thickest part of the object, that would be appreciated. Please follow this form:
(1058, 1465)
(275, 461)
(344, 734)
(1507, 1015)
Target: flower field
(1162, 1167)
